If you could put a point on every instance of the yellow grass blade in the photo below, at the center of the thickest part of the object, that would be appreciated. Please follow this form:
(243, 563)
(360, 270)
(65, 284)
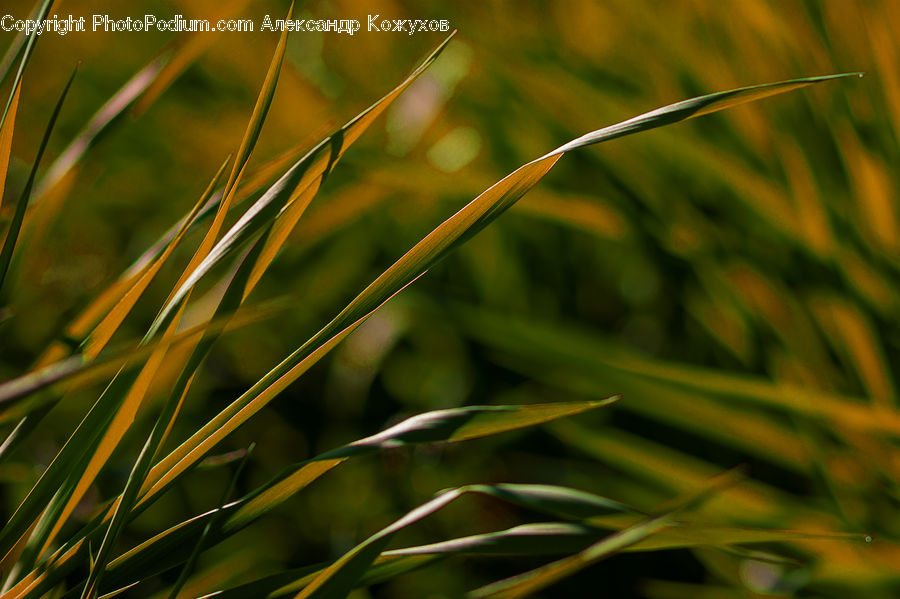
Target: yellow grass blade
(6, 136)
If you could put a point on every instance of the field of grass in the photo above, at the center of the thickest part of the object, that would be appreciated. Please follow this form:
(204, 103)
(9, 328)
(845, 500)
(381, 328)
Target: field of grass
(443, 314)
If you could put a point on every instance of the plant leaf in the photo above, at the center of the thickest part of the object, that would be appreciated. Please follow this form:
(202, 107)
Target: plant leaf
(442, 240)
(12, 233)
(540, 578)
(6, 137)
(169, 547)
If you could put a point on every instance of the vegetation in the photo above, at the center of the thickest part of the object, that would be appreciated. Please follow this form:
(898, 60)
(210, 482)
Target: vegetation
(664, 369)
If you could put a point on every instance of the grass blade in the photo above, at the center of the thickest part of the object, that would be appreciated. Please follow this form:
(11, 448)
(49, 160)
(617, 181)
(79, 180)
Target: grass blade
(248, 142)
(168, 548)
(589, 357)
(335, 581)
(6, 137)
(98, 124)
(285, 584)
(441, 241)
(127, 353)
(189, 565)
(540, 578)
(104, 331)
(307, 172)
(12, 233)
(40, 15)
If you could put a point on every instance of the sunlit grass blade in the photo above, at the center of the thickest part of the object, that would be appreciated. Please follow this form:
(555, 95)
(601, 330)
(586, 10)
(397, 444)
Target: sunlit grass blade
(12, 233)
(6, 137)
(248, 142)
(292, 189)
(441, 241)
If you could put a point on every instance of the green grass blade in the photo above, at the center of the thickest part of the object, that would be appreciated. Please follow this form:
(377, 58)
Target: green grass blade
(589, 357)
(335, 581)
(548, 538)
(694, 107)
(128, 352)
(441, 241)
(189, 564)
(540, 578)
(40, 15)
(167, 549)
(543, 538)
(248, 142)
(285, 584)
(12, 233)
(307, 172)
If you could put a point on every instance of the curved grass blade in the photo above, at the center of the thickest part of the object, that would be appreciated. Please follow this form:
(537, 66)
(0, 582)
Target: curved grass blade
(694, 107)
(540, 578)
(169, 548)
(308, 172)
(12, 233)
(546, 538)
(104, 331)
(442, 240)
(335, 581)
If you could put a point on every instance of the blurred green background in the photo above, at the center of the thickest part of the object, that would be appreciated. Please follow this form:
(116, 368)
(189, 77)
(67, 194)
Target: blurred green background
(735, 277)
